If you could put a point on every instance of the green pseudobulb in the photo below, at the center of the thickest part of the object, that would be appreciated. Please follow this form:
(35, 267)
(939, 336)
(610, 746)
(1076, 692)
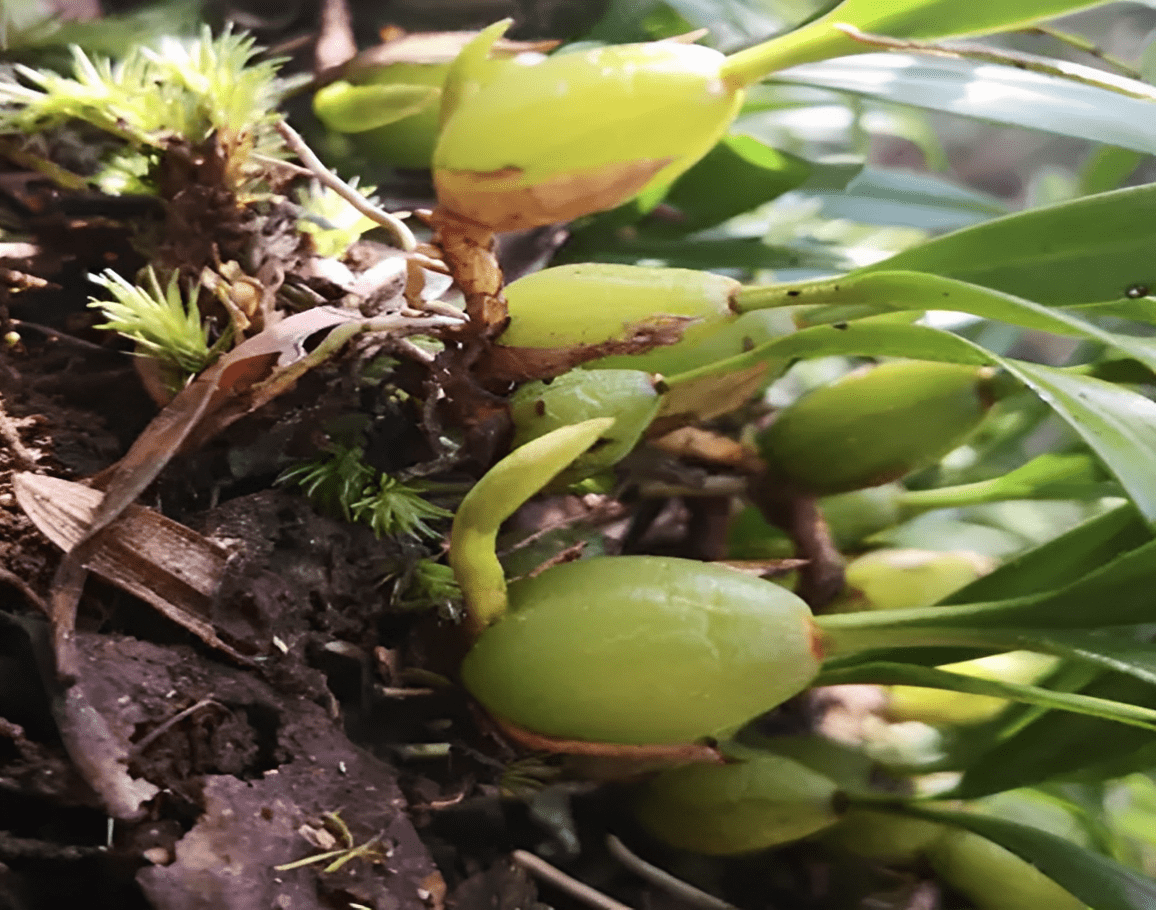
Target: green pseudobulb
(628, 396)
(760, 802)
(641, 649)
(876, 425)
(579, 132)
(593, 303)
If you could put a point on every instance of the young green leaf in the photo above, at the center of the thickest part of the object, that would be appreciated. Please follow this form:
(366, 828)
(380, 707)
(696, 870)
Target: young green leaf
(494, 498)
(1048, 476)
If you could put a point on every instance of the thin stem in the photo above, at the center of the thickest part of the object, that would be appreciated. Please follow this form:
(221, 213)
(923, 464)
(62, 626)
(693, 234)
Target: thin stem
(683, 891)
(402, 234)
(493, 499)
(843, 640)
(580, 891)
(815, 41)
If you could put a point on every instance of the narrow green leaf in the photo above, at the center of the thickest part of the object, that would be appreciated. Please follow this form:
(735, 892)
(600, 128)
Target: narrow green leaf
(1097, 880)
(1106, 652)
(992, 92)
(1087, 250)
(1062, 560)
(821, 38)
(900, 674)
(1048, 476)
(1117, 424)
(903, 291)
(1060, 743)
(1116, 594)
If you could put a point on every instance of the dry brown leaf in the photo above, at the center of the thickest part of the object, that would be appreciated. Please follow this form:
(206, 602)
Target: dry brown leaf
(215, 388)
(697, 444)
(165, 564)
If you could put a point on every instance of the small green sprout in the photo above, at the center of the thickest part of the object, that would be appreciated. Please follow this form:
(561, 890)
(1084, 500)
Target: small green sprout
(341, 482)
(334, 480)
(183, 90)
(430, 584)
(395, 508)
(164, 322)
(333, 222)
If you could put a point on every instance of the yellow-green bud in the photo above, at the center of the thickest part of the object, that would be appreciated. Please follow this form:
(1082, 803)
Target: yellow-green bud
(876, 425)
(628, 396)
(940, 707)
(993, 878)
(390, 95)
(894, 579)
(579, 132)
(882, 836)
(738, 808)
(641, 650)
(594, 303)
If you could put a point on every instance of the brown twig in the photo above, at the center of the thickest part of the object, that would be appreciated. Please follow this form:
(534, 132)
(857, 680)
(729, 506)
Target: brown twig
(468, 249)
(151, 737)
(24, 456)
(402, 234)
(821, 579)
(24, 588)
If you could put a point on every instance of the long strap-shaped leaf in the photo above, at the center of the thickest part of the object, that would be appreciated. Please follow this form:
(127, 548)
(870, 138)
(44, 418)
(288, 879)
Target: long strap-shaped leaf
(1097, 880)
(898, 674)
(821, 39)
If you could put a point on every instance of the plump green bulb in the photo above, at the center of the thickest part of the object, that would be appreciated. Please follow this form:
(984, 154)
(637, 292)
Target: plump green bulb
(993, 878)
(750, 805)
(580, 132)
(876, 425)
(390, 110)
(628, 396)
(594, 303)
(642, 650)
(901, 579)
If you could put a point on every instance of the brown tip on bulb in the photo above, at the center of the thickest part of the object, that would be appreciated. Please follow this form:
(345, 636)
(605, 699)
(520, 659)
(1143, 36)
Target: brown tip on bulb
(676, 753)
(818, 645)
(501, 200)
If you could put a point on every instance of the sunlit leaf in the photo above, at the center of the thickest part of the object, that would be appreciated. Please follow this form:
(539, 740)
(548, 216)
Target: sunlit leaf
(822, 38)
(991, 92)
(1088, 250)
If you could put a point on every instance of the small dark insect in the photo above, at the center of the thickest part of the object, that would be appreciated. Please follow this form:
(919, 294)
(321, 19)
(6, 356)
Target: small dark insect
(1137, 290)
